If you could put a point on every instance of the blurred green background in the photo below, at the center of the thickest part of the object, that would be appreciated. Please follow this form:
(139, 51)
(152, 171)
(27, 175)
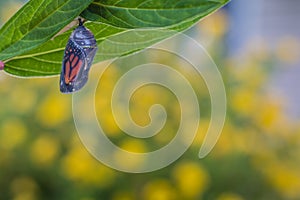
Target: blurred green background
(256, 157)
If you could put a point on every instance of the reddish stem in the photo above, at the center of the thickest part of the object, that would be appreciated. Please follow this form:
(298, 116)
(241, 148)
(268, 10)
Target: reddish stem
(1, 65)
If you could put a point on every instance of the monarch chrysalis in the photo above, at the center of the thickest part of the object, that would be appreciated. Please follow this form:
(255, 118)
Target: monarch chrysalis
(79, 54)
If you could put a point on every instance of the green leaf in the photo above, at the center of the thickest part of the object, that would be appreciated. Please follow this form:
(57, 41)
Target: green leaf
(113, 39)
(35, 23)
(46, 60)
(112, 42)
(150, 13)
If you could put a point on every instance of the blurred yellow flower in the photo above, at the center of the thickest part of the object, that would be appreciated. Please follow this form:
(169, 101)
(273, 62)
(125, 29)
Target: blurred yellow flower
(249, 74)
(244, 101)
(134, 146)
(22, 99)
(108, 123)
(226, 143)
(79, 165)
(24, 188)
(216, 25)
(13, 132)
(159, 189)
(201, 133)
(144, 98)
(269, 114)
(44, 150)
(54, 110)
(191, 179)
(284, 177)
(103, 100)
(110, 75)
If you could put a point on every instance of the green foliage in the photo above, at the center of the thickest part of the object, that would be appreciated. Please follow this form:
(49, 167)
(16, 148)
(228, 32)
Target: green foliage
(154, 13)
(28, 50)
(36, 23)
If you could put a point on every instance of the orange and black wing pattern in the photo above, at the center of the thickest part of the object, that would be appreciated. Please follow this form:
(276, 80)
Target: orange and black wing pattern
(73, 64)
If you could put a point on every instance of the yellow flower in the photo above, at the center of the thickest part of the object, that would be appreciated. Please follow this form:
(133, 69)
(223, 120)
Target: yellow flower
(23, 99)
(144, 98)
(13, 133)
(54, 110)
(191, 179)
(79, 165)
(225, 144)
(284, 177)
(108, 124)
(133, 145)
(24, 188)
(159, 189)
(44, 150)
(201, 132)
(133, 162)
(244, 101)
(103, 100)
(251, 75)
(269, 113)
(215, 25)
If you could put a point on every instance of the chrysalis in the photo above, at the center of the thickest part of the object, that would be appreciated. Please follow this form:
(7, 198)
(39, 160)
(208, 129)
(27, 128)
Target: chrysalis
(79, 54)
